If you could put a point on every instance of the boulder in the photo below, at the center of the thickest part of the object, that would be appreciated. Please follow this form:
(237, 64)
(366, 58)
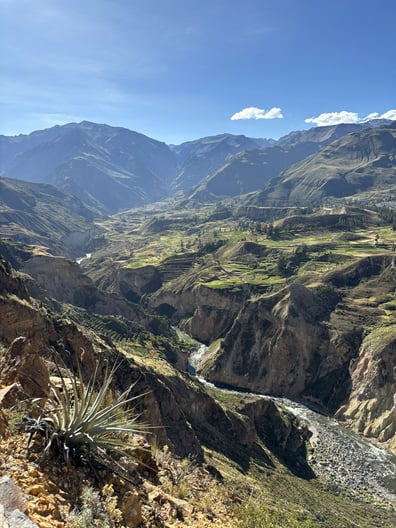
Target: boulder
(22, 364)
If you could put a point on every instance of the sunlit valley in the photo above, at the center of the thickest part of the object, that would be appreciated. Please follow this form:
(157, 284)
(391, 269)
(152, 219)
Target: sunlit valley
(225, 306)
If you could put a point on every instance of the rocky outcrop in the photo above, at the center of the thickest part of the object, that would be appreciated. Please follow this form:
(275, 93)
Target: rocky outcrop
(281, 432)
(205, 313)
(12, 506)
(131, 283)
(363, 269)
(371, 406)
(282, 347)
(63, 280)
(20, 318)
(10, 282)
(22, 364)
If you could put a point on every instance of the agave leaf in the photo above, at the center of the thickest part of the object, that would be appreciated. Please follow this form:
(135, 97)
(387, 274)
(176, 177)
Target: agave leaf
(81, 423)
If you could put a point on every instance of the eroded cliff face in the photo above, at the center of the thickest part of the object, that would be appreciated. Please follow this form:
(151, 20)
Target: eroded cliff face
(204, 313)
(133, 284)
(183, 415)
(282, 347)
(62, 280)
(305, 341)
(371, 406)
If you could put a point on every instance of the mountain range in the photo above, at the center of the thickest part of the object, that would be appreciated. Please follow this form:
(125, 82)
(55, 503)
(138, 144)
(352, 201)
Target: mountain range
(352, 164)
(112, 169)
(194, 269)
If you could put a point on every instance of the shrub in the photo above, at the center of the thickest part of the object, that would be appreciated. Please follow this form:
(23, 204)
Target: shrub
(94, 511)
(78, 422)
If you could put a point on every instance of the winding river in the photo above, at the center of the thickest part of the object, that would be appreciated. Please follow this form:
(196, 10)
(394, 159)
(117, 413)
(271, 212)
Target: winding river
(340, 457)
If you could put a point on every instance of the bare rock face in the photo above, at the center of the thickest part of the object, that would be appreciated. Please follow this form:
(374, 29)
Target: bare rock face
(63, 280)
(281, 432)
(22, 319)
(10, 282)
(11, 496)
(23, 364)
(280, 346)
(132, 284)
(372, 403)
(12, 506)
(208, 313)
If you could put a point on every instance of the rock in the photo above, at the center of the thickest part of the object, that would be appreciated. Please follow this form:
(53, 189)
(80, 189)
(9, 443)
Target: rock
(11, 496)
(17, 519)
(282, 345)
(63, 280)
(132, 284)
(372, 403)
(12, 506)
(282, 432)
(22, 363)
(179, 506)
(36, 490)
(131, 509)
(10, 394)
(3, 520)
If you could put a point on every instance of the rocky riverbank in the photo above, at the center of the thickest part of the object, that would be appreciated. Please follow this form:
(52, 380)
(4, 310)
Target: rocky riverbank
(346, 461)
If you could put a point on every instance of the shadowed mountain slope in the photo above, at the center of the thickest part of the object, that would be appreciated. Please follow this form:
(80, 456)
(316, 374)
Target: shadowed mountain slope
(108, 168)
(40, 214)
(201, 157)
(249, 171)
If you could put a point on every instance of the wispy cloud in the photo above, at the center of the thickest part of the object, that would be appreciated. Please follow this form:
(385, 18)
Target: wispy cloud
(257, 113)
(336, 118)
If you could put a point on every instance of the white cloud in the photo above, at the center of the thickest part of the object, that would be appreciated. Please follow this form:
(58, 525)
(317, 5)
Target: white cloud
(257, 113)
(335, 118)
(390, 114)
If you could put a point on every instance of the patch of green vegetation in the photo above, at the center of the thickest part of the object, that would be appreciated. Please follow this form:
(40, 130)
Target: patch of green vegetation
(389, 306)
(256, 513)
(199, 232)
(378, 337)
(3, 349)
(225, 284)
(316, 267)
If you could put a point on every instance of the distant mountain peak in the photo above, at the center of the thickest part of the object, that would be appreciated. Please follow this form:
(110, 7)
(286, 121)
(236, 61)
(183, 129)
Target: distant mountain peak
(113, 168)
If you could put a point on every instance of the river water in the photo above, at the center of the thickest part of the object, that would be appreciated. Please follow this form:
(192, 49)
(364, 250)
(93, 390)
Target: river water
(341, 458)
(87, 256)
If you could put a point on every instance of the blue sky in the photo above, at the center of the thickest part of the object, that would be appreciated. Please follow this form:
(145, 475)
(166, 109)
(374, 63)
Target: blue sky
(178, 70)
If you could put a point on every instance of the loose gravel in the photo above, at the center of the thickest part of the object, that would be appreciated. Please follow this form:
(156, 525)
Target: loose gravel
(347, 461)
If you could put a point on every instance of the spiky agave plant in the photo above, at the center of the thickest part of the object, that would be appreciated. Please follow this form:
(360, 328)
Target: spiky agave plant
(79, 423)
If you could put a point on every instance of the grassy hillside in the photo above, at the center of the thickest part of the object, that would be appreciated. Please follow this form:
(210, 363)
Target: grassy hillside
(239, 481)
